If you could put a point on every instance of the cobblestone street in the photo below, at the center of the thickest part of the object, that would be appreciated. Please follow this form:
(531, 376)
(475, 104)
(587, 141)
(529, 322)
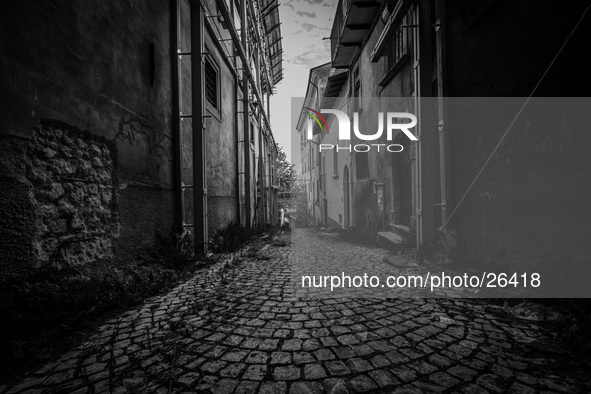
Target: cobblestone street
(238, 328)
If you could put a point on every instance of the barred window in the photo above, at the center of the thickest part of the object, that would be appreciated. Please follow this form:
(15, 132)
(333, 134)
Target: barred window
(356, 88)
(396, 48)
(400, 44)
(211, 84)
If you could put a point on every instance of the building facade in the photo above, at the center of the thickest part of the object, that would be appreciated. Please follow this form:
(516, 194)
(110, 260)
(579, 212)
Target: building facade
(309, 179)
(413, 56)
(123, 119)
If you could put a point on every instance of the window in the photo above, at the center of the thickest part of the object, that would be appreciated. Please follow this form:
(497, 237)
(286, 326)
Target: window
(397, 47)
(362, 165)
(323, 176)
(356, 88)
(317, 191)
(335, 162)
(397, 50)
(212, 85)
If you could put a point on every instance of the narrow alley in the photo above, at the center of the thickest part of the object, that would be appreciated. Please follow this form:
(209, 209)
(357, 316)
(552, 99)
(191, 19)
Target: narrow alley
(238, 328)
(295, 196)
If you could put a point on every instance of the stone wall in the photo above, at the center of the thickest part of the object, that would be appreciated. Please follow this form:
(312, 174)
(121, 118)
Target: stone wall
(59, 203)
(104, 67)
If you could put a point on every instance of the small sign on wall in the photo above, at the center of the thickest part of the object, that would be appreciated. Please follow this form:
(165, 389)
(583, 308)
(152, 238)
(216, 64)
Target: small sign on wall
(379, 191)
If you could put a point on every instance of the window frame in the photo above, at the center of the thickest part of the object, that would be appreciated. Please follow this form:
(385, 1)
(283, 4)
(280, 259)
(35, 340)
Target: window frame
(356, 87)
(397, 52)
(213, 110)
(335, 163)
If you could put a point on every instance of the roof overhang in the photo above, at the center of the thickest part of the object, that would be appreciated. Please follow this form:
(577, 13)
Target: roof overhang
(352, 24)
(333, 88)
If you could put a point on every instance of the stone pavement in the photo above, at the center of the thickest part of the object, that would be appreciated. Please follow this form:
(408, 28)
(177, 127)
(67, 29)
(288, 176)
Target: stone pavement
(236, 328)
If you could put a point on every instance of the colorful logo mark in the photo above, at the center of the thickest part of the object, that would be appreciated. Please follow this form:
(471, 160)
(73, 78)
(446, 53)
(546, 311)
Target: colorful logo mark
(316, 115)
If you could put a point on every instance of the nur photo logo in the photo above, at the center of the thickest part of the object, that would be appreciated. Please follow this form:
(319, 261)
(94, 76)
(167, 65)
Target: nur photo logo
(390, 121)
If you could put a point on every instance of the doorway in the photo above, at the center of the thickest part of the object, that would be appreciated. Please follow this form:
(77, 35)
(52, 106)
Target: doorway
(401, 183)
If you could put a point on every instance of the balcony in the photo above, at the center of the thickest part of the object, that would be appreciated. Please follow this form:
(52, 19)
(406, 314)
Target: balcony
(352, 23)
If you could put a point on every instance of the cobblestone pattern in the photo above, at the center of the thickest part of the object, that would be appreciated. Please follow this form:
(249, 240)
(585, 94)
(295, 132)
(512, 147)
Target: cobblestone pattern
(308, 259)
(237, 329)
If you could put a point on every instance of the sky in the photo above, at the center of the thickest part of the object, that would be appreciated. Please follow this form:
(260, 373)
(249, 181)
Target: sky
(304, 24)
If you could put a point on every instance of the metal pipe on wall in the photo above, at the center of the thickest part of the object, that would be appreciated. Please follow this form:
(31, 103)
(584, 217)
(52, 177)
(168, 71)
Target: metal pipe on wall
(175, 107)
(199, 132)
(245, 102)
(441, 112)
(426, 223)
(237, 136)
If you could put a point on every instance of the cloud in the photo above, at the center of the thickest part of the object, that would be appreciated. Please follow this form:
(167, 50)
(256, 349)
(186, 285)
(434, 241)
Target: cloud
(310, 26)
(309, 58)
(310, 15)
(305, 4)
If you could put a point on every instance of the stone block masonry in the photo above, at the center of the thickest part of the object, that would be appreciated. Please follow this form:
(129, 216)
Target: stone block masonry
(58, 198)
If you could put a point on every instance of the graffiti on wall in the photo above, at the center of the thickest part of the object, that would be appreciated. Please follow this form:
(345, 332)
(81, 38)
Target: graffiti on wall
(145, 153)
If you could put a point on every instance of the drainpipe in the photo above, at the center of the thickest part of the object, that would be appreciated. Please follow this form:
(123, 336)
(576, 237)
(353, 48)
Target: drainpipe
(426, 227)
(261, 191)
(176, 132)
(245, 106)
(237, 135)
(199, 132)
(440, 111)
(269, 168)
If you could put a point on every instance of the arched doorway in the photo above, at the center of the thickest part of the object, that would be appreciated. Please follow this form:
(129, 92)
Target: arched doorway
(347, 208)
